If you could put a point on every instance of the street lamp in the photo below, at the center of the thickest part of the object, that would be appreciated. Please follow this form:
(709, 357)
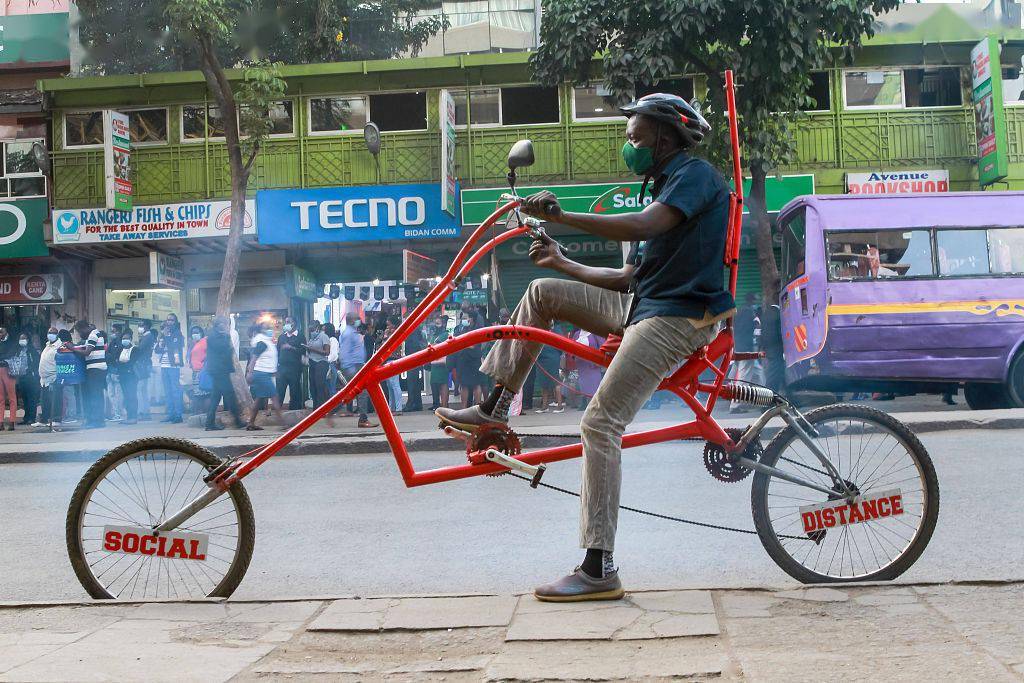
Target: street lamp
(371, 134)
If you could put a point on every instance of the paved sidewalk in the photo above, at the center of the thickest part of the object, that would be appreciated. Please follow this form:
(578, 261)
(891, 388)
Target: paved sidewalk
(910, 632)
(421, 434)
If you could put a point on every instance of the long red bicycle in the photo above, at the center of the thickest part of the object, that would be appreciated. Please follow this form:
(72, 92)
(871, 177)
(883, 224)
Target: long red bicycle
(843, 493)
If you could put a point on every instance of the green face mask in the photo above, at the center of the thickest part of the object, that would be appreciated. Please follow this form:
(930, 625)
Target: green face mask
(639, 160)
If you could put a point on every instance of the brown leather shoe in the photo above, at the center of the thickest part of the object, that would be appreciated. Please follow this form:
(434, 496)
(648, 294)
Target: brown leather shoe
(366, 424)
(467, 419)
(580, 586)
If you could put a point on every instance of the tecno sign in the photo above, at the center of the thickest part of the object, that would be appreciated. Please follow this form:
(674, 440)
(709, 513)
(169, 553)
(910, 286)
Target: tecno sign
(897, 182)
(362, 213)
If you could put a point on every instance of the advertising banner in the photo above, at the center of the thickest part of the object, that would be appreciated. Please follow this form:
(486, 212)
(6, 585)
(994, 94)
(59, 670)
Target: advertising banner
(616, 198)
(21, 227)
(117, 160)
(166, 270)
(31, 289)
(897, 182)
(144, 223)
(353, 214)
(301, 284)
(447, 108)
(989, 116)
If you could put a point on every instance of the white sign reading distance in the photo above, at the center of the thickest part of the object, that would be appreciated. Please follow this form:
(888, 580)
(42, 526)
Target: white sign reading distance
(144, 223)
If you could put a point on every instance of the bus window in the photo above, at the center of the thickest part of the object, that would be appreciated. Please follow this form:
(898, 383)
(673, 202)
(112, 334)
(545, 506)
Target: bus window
(878, 255)
(962, 252)
(794, 243)
(1006, 250)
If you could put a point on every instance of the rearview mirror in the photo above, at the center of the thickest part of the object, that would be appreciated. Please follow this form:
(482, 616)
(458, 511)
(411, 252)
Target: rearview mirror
(520, 155)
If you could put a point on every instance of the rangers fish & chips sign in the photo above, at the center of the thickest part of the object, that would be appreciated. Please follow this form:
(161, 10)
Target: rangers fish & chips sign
(897, 182)
(143, 223)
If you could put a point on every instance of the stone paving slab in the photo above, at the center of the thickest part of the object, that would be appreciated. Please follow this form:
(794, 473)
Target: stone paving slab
(416, 613)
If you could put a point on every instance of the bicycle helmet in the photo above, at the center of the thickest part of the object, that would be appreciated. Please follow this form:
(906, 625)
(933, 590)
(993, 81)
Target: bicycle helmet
(673, 110)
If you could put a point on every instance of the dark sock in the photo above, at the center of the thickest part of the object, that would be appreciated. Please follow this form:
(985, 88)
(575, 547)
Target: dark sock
(498, 402)
(593, 563)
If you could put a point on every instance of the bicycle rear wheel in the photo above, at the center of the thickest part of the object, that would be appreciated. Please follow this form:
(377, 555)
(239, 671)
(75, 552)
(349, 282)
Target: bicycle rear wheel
(875, 536)
(132, 489)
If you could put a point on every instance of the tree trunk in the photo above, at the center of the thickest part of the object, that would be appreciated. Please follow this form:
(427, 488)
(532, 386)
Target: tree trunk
(763, 234)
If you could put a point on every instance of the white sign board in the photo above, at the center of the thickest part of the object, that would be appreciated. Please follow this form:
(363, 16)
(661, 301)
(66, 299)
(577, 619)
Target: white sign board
(897, 182)
(145, 223)
(166, 270)
(447, 109)
(117, 160)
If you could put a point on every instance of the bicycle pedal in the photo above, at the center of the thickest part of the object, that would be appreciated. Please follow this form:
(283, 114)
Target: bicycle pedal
(535, 482)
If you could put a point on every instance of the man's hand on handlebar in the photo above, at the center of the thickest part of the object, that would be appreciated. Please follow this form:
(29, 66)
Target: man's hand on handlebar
(545, 252)
(543, 205)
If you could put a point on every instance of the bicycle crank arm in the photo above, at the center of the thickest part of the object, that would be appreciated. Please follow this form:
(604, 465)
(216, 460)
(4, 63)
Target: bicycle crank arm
(499, 458)
(192, 508)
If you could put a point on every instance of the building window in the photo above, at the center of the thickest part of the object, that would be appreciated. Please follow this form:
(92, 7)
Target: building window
(192, 126)
(83, 128)
(673, 86)
(20, 175)
(529, 105)
(818, 93)
(337, 114)
(593, 102)
(399, 111)
(1013, 86)
(278, 114)
(879, 255)
(962, 252)
(874, 89)
(147, 126)
(932, 87)
(484, 109)
(1006, 250)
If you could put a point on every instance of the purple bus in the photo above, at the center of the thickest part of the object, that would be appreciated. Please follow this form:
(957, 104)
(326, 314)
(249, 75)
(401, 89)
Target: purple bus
(905, 293)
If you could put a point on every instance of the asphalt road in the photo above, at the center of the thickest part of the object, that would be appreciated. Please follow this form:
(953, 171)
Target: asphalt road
(347, 525)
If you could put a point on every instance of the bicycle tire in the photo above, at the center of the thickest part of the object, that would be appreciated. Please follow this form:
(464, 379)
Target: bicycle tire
(926, 470)
(95, 474)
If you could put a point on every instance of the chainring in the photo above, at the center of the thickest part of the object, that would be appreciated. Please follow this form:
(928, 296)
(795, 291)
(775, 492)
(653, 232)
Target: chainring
(722, 466)
(496, 436)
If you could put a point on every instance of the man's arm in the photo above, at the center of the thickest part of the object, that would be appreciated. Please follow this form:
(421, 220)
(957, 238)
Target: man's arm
(546, 253)
(655, 219)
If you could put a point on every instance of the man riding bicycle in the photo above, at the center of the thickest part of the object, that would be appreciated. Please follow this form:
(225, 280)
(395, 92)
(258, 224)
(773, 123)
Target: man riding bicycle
(664, 302)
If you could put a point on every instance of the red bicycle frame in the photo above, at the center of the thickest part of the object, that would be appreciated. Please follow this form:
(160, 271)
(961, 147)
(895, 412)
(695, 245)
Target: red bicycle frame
(685, 382)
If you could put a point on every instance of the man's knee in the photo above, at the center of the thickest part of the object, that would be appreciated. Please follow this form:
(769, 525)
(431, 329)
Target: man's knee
(539, 292)
(595, 423)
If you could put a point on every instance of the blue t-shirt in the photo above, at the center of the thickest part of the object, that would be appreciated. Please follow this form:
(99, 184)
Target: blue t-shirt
(681, 272)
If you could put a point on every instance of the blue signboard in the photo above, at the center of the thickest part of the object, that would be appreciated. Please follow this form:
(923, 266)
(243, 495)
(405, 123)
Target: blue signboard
(353, 214)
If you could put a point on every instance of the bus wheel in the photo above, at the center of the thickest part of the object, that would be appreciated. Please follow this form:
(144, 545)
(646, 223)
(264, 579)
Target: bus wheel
(987, 396)
(1015, 382)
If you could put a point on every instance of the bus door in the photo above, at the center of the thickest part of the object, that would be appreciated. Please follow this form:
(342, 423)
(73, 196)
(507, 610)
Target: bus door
(802, 301)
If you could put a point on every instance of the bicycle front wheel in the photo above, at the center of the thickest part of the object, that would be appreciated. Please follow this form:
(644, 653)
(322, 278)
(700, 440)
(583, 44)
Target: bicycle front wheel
(875, 535)
(132, 489)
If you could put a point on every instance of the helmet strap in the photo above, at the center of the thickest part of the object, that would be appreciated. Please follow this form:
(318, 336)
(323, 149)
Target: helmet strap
(657, 162)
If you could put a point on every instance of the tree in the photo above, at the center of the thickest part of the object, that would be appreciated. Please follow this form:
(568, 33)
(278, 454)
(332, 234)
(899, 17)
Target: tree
(771, 46)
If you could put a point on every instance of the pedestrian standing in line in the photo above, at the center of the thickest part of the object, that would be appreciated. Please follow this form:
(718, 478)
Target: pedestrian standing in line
(220, 364)
(435, 334)
(393, 384)
(317, 347)
(8, 383)
(351, 357)
(290, 354)
(590, 373)
(743, 335)
(196, 360)
(115, 402)
(549, 367)
(27, 361)
(127, 360)
(93, 350)
(71, 406)
(170, 349)
(414, 378)
(260, 372)
(144, 366)
(51, 398)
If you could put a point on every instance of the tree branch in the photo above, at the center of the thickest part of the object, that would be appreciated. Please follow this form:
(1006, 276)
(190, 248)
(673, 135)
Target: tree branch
(252, 157)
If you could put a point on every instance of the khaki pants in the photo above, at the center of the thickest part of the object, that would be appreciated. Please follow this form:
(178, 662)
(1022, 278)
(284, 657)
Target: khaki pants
(651, 350)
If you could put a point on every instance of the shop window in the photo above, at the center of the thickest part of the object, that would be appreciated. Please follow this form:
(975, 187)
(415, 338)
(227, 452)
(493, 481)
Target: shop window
(147, 126)
(939, 87)
(399, 111)
(484, 107)
(873, 89)
(337, 114)
(278, 114)
(83, 128)
(529, 105)
(20, 175)
(593, 102)
(879, 255)
(818, 93)
(962, 252)
(673, 86)
(192, 124)
(1013, 86)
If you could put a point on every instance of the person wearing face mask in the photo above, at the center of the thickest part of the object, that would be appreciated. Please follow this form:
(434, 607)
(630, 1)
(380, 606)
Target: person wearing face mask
(196, 361)
(28, 381)
(317, 347)
(127, 358)
(676, 275)
(170, 349)
(144, 365)
(220, 364)
(290, 351)
(260, 371)
(93, 350)
(8, 382)
(50, 397)
(115, 401)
